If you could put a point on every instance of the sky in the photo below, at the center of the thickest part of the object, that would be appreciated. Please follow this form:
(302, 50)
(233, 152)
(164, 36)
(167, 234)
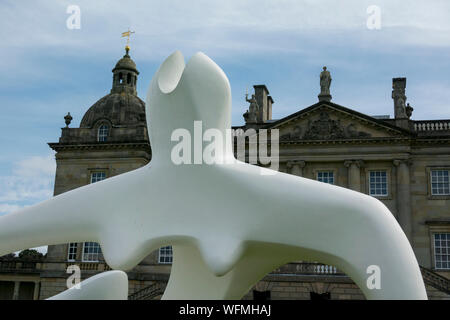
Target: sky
(49, 69)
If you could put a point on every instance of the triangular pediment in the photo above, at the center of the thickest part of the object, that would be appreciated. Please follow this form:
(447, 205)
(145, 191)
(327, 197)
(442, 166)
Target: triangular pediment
(329, 121)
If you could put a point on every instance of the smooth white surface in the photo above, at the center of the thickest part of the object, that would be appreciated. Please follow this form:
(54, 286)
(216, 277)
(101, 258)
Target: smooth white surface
(110, 285)
(228, 224)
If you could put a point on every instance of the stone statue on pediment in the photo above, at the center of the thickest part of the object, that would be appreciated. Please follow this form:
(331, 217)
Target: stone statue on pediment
(325, 83)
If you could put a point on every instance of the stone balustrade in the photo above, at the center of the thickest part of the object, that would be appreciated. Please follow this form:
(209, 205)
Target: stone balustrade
(307, 268)
(432, 125)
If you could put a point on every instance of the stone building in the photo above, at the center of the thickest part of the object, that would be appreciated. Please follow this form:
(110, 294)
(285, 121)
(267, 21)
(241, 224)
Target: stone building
(405, 163)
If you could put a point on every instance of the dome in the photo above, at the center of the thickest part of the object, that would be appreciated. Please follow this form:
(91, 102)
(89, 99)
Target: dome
(126, 63)
(118, 108)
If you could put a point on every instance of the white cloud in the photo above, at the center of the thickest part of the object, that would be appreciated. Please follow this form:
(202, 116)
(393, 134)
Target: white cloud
(229, 25)
(30, 181)
(36, 166)
(37, 32)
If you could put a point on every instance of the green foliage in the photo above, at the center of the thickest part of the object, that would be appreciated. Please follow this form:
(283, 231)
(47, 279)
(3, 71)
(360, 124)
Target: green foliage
(30, 254)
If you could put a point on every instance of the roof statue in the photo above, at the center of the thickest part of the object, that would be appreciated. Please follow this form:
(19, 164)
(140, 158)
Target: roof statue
(325, 82)
(221, 247)
(251, 115)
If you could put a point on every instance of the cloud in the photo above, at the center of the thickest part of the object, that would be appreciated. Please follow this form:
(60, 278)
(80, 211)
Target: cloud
(30, 181)
(212, 25)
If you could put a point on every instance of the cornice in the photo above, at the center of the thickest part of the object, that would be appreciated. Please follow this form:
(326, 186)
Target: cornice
(99, 146)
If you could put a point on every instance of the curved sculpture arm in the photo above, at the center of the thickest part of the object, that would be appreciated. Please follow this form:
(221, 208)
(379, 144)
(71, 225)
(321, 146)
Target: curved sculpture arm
(69, 217)
(273, 220)
(110, 285)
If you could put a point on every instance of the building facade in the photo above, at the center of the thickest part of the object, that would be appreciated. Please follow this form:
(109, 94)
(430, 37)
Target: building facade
(404, 163)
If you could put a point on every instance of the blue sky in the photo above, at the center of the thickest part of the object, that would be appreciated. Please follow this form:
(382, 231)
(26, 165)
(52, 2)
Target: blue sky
(48, 69)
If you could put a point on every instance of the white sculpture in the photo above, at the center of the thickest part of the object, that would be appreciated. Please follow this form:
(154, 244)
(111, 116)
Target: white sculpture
(110, 285)
(228, 224)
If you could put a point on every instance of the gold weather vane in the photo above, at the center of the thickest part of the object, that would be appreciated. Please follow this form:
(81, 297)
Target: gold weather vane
(127, 34)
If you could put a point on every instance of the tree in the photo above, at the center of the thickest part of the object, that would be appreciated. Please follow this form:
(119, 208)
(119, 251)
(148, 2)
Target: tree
(30, 254)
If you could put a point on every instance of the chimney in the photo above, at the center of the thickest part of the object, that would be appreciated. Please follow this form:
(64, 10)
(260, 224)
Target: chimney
(269, 107)
(261, 94)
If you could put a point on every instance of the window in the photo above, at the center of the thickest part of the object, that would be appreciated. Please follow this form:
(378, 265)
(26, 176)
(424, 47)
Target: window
(97, 176)
(128, 78)
(440, 183)
(441, 250)
(325, 176)
(165, 255)
(91, 251)
(72, 251)
(103, 131)
(378, 183)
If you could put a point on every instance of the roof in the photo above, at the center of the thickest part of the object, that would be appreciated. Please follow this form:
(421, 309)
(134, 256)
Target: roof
(126, 63)
(119, 109)
(380, 122)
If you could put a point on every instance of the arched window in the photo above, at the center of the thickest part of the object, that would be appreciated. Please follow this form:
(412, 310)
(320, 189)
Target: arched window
(120, 77)
(128, 78)
(103, 132)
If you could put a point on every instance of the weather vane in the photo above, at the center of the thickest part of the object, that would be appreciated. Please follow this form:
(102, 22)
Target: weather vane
(127, 34)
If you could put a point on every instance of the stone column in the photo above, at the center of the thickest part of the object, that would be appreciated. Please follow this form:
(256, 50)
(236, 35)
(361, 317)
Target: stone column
(16, 290)
(296, 167)
(404, 197)
(36, 290)
(354, 174)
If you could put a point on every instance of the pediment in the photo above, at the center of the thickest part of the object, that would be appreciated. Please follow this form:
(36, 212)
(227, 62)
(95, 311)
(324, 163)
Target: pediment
(333, 122)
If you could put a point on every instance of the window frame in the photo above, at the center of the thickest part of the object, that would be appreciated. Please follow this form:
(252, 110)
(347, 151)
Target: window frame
(104, 137)
(92, 173)
(434, 227)
(98, 253)
(72, 253)
(376, 195)
(430, 170)
(434, 253)
(391, 185)
(165, 255)
(328, 171)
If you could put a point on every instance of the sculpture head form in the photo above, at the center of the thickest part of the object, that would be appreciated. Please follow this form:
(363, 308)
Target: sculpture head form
(180, 94)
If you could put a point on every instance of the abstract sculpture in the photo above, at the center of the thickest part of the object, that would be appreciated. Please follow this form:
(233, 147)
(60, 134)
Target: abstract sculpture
(229, 225)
